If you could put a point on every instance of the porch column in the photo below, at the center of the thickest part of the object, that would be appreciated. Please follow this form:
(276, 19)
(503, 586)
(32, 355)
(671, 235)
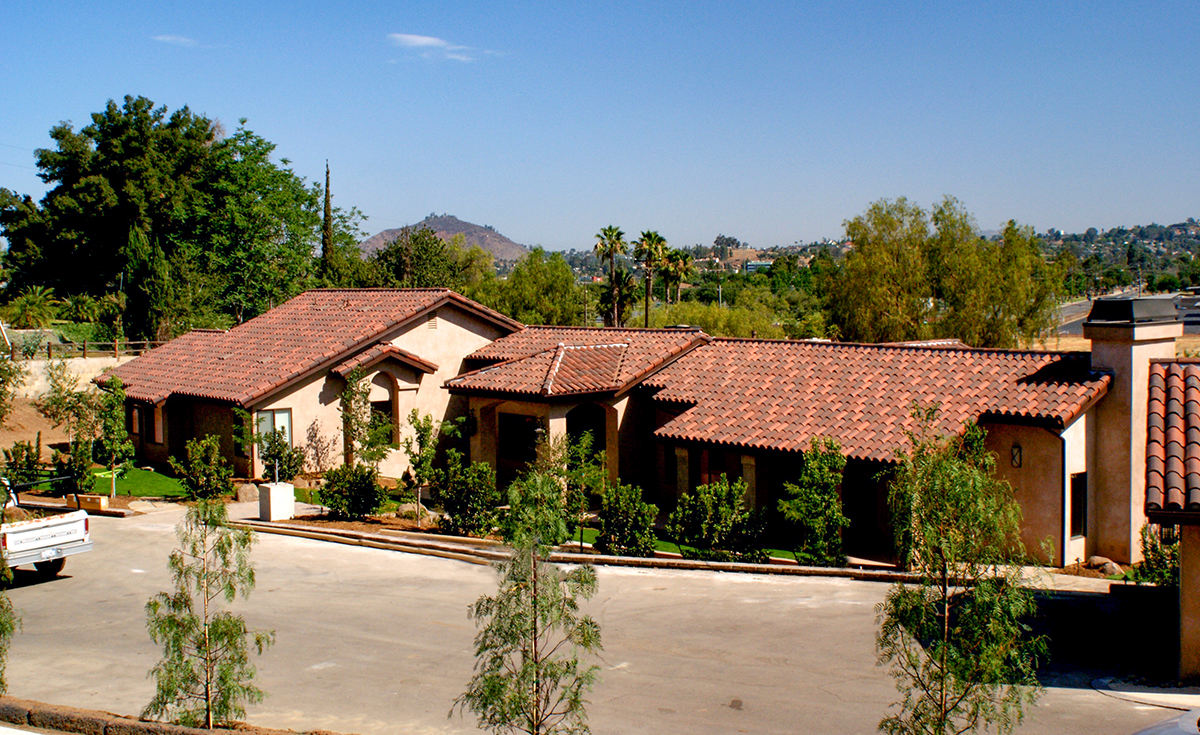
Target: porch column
(1189, 602)
(681, 472)
(556, 422)
(750, 475)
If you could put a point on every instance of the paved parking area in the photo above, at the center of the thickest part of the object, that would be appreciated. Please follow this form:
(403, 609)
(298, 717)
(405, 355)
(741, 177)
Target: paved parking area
(373, 641)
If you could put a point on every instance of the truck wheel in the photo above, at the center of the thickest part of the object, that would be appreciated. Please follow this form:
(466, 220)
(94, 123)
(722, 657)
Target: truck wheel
(50, 568)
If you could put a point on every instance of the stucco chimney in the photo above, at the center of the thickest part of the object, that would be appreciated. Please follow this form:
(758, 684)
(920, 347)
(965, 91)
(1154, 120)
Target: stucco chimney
(1126, 334)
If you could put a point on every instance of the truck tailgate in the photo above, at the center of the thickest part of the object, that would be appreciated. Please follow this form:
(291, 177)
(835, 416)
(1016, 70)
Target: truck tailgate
(42, 539)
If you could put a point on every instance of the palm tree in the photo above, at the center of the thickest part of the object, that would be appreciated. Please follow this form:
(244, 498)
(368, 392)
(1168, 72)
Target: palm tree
(651, 249)
(679, 265)
(610, 242)
(620, 299)
(33, 309)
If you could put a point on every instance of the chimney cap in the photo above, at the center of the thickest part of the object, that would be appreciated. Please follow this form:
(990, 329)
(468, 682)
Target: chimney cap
(1133, 311)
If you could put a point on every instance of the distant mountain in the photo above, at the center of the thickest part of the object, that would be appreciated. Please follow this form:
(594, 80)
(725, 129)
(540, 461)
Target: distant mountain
(447, 226)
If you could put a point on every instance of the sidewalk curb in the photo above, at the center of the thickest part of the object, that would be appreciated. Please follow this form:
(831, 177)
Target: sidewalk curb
(467, 552)
(28, 713)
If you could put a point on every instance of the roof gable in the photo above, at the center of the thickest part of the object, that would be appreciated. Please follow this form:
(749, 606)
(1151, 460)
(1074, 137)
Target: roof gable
(313, 330)
(556, 361)
(780, 394)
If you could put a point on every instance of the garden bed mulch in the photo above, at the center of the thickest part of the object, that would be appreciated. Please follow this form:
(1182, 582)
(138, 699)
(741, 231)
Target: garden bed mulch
(1082, 570)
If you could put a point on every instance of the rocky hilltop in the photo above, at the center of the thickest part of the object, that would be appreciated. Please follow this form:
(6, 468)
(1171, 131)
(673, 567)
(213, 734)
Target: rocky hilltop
(447, 226)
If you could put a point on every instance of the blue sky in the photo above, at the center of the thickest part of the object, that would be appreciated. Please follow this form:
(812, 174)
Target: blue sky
(770, 122)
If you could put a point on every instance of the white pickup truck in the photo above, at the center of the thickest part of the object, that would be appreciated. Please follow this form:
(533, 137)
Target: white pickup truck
(44, 542)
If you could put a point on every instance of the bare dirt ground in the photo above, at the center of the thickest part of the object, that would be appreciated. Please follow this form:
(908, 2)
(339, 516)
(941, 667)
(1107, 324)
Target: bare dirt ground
(24, 423)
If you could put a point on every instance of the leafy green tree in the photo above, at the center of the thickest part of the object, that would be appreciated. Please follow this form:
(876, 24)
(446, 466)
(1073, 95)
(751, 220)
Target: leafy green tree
(815, 506)
(78, 411)
(23, 462)
(114, 446)
(529, 673)
(626, 522)
(956, 641)
(1160, 560)
(205, 474)
(418, 258)
(205, 674)
(610, 242)
(714, 522)
(369, 437)
(262, 225)
(540, 289)
(882, 293)
(651, 250)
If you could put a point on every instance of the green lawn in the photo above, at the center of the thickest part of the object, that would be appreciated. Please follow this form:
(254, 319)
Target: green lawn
(141, 484)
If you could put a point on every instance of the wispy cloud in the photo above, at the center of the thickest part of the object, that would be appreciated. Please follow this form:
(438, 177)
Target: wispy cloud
(176, 40)
(431, 47)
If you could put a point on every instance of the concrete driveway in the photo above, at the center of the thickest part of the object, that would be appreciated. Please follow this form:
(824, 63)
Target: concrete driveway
(374, 641)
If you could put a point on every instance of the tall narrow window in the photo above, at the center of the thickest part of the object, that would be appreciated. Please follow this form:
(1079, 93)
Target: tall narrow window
(1079, 504)
(158, 424)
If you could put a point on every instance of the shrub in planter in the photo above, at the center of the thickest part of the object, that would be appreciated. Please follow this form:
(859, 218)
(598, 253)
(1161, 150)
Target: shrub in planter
(714, 522)
(352, 491)
(278, 454)
(468, 495)
(626, 523)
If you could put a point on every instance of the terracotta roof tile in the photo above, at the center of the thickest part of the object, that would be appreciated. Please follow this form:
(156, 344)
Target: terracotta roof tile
(1173, 437)
(555, 361)
(378, 353)
(284, 344)
(861, 394)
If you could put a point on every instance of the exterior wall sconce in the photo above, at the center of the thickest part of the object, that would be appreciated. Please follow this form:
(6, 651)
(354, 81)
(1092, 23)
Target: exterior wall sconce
(1016, 455)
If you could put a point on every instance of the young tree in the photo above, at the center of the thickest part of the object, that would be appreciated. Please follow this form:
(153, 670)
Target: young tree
(368, 437)
(421, 450)
(77, 410)
(205, 675)
(956, 640)
(815, 506)
(12, 377)
(205, 474)
(529, 676)
(115, 447)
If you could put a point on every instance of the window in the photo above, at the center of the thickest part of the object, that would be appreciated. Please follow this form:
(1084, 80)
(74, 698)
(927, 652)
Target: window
(1079, 504)
(272, 420)
(134, 422)
(158, 425)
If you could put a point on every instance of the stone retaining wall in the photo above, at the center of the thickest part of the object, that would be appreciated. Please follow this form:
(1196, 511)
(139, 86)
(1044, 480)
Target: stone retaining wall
(87, 368)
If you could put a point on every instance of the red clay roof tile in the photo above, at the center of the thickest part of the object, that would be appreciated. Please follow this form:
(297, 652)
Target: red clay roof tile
(1173, 437)
(290, 341)
(862, 394)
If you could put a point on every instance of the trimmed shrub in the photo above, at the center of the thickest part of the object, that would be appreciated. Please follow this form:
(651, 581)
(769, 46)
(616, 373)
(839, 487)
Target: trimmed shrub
(1160, 562)
(714, 522)
(468, 495)
(352, 491)
(276, 452)
(626, 523)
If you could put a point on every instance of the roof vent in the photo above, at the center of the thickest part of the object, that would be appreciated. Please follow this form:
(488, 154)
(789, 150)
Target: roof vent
(1133, 311)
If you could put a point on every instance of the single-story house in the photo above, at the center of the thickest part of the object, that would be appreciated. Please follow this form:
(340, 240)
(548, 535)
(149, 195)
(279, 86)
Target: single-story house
(288, 368)
(676, 408)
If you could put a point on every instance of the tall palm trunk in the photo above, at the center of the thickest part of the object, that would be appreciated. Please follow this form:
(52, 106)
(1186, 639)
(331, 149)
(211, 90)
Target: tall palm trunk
(649, 291)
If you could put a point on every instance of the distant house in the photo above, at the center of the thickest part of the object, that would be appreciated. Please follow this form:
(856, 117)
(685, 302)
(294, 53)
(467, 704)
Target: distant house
(288, 368)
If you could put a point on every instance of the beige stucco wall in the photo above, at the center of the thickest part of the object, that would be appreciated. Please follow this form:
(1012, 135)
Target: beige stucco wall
(1189, 602)
(445, 341)
(1037, 484)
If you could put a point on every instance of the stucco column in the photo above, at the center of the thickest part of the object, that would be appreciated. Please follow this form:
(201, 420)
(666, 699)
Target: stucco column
(1189, 602)
(750, 476)
(556, 422)
(1120, 479)
(681, 472)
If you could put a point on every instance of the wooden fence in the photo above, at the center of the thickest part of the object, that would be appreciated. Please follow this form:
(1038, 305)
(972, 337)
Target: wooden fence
(53, 350)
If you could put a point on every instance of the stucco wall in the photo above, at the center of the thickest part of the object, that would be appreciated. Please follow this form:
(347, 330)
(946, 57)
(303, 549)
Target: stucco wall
(1037, 483)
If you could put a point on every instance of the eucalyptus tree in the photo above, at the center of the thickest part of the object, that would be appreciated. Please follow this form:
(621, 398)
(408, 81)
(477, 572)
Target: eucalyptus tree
(650, 249)
(610, 242)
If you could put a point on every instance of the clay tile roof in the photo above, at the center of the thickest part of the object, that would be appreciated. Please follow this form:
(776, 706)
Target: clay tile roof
(780, 394)
(555, 361)
(316, 329)
(1173, 437)
(378, 353)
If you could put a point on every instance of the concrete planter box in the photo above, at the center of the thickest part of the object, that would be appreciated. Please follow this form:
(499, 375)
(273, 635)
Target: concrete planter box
(276, 501)
(88, 502)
